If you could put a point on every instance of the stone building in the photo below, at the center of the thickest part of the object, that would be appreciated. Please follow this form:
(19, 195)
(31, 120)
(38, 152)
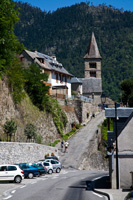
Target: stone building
(92, 82)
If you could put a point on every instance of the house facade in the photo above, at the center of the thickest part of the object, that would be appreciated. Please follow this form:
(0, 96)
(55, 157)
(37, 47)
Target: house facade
(122, 127)
(76, 85)
(59, 79)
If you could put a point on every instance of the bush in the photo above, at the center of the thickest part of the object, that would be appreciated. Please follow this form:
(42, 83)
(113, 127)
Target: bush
(30, 131)
(54, 143)
(59, 117)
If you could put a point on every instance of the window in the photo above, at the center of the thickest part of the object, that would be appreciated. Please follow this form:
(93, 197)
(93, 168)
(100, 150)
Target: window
(65, 79)
(92, 74)
(46, 164)
(3, 168)
(61, 78)
(22, 59)
(56, 78)
(12, 168)
(92, 65)
(52, 162)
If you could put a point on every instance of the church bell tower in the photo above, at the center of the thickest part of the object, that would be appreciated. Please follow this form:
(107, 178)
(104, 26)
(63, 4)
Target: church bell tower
(92, 60)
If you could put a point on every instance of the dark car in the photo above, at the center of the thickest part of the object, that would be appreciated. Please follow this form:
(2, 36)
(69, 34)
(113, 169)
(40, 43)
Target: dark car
(29, 171)
(40, 167)
(50, 157)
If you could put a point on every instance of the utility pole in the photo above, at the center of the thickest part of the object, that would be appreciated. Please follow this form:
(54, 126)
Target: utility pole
(116, 139)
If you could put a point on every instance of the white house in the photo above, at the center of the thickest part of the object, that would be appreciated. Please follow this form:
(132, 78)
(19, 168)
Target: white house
(59, 80)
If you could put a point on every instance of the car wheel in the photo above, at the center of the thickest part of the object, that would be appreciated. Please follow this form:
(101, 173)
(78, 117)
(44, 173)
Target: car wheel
(30, 175)
(18, 179)
(58, 170)
(50, 171)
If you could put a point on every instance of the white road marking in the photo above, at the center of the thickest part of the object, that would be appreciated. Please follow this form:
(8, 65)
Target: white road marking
(23, 186)
(97, 195)
(8, 197)
(33, 182)
(13, 191)
(64, 172)
(54, 177)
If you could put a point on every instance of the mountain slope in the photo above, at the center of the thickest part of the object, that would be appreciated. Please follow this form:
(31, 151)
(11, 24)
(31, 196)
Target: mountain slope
(66, 34)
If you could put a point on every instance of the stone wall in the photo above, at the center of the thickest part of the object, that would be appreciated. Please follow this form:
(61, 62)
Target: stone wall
(83, 110)
(14, 152)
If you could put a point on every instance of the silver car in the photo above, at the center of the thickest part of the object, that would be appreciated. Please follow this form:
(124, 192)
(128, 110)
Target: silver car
(56, 165)
(48, 166)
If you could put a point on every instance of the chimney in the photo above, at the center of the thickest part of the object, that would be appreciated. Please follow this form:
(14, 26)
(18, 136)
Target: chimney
(54, 57)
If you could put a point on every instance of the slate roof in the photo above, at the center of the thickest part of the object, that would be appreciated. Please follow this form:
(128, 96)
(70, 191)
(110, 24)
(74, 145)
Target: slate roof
(76, 80)
(91, 85)
(50, 63)
(92, 51)
(121, 112)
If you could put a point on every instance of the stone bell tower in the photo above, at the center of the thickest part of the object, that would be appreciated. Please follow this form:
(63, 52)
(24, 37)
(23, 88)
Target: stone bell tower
(92, 60)
(92, 82)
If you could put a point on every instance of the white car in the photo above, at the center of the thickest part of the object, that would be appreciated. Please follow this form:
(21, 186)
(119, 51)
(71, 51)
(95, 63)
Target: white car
(11, 173)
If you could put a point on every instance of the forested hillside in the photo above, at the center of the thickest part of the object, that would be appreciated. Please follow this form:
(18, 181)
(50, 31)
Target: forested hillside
(66, 33)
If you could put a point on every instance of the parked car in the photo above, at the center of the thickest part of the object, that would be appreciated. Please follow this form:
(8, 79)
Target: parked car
(50, 157)
(56, 165)
(48, 166)
(40, 167)
(29, 171)
(11, 173)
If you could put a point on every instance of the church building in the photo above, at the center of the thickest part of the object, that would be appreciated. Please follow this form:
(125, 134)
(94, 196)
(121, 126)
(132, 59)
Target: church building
(92, 82)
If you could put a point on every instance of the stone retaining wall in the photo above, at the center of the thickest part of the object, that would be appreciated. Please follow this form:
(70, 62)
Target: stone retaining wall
(15, 152)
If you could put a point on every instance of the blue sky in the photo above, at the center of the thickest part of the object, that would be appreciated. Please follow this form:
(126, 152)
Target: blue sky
(52, 5)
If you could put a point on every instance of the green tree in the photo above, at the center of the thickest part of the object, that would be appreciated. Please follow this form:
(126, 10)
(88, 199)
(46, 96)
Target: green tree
(30, 131)
(8, 41)
(16, 80)
(35, 86)
(127, 88)
(10, 128)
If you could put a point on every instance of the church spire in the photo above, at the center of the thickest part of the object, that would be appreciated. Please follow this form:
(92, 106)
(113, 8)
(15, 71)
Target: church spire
(93, 51)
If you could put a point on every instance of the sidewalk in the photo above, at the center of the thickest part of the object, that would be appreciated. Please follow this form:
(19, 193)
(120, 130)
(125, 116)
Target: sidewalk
(114, 194)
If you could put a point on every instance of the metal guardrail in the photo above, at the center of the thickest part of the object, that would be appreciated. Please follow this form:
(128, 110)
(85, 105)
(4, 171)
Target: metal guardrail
(82, 98)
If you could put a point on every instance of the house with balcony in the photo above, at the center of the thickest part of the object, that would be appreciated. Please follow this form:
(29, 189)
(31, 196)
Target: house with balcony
(59, 79)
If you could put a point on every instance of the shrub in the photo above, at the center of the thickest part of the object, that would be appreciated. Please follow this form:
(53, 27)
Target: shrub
(30, 131)
(10, 127)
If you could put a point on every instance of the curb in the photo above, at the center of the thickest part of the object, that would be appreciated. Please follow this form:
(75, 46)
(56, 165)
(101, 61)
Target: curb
(110, 197)
(91, 186)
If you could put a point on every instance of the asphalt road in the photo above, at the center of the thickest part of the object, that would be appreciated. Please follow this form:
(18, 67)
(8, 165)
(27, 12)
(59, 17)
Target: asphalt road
(68, 185)
(79, 143)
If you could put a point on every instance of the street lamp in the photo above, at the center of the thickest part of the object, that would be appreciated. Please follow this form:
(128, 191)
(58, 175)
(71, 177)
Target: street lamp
(103, 100)
(116, 135)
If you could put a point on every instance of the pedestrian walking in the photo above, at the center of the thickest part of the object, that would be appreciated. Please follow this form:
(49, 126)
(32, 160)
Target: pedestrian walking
(62, 145)
(66, 146)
